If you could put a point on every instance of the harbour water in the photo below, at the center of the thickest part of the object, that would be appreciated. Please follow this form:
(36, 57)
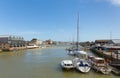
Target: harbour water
(41, 63)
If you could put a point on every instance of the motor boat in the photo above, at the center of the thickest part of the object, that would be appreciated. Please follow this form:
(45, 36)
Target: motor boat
(99, 64)
(81, 65)
(67, 64)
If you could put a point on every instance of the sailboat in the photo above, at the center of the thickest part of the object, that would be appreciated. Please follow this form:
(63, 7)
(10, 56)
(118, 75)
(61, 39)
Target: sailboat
(70, 51)
(81, 65)
(76, 49)
(80, 61)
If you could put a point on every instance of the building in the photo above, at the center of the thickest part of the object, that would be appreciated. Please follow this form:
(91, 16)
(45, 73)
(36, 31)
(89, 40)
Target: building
(49, 41)
(115, 42)
(101, 42)
(34, 43)
(9, 42)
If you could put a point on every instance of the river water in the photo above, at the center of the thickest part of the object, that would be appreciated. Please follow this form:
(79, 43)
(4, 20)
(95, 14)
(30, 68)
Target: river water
(41, 63)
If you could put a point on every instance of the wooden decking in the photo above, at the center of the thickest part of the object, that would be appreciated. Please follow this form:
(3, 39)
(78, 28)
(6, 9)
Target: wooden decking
(113, 55)
(108, 55)
(112, 58)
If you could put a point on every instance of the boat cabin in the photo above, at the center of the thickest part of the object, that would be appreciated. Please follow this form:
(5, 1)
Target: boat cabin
(82, 55)
(98, 61)
(67, 63)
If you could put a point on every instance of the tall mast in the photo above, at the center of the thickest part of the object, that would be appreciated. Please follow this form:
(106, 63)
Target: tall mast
(73, 40)
(78, 31)
(110, 35)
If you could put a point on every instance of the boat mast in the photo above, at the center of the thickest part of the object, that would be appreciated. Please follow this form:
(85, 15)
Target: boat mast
(78, 32)
(110, 35)
(73, 42)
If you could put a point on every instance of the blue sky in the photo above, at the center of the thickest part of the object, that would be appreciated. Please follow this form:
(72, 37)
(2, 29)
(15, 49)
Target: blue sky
(57, 19)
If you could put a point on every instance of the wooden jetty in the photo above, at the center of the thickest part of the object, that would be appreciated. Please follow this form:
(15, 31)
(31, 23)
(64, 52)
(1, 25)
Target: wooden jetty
(106, 54)
(111, 57)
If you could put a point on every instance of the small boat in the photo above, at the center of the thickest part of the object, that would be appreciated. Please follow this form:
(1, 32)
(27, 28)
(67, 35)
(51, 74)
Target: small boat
(81, 54)
(67, 64)
(76, 48)
(100, 65)
(32, 46)
(81, 65)
(70, 51)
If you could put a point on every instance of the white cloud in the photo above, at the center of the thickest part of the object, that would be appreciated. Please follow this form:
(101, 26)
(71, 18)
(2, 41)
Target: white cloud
(115, 2)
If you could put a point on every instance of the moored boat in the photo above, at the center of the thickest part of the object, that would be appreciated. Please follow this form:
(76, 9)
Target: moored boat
(70, 51)
(32, 46)
(81, 54)
(67, 64)
(100, 65)
(76, 49)
(81, 65)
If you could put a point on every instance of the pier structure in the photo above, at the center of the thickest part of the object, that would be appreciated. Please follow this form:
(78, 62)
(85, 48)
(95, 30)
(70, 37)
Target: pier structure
(111, 55)
(109, 49)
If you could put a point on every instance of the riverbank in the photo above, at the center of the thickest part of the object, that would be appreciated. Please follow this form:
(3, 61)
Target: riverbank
(23, 48)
